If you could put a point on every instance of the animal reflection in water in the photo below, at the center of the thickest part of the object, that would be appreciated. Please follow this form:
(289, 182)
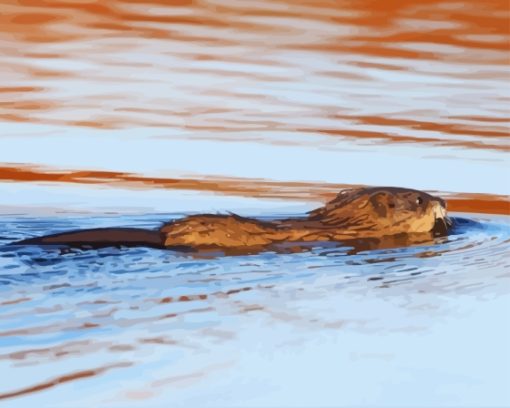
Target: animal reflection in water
(371, 217)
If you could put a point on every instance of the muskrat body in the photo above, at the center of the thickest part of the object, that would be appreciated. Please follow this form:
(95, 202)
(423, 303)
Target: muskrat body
(356, 213)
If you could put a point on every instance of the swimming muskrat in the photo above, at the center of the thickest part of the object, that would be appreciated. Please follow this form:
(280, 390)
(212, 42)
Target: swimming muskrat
(360, 213)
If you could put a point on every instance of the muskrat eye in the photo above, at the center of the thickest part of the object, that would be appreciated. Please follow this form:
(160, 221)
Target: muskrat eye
(419, 201)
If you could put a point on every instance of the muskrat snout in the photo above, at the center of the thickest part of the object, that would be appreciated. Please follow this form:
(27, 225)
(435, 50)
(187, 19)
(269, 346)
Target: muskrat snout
(441, 220)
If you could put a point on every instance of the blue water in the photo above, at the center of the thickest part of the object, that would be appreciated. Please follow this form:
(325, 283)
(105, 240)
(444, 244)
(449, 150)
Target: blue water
(425, 325)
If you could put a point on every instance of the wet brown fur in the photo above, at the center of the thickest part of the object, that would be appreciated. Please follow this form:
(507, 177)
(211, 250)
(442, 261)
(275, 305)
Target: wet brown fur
(356, 213)
(372, 213)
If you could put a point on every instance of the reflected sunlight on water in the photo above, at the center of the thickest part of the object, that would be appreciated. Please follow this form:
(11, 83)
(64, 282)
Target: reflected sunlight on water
(151, 107)
(145, 87)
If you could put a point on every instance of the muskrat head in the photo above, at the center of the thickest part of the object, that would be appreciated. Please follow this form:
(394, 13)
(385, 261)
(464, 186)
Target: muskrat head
(385, 211)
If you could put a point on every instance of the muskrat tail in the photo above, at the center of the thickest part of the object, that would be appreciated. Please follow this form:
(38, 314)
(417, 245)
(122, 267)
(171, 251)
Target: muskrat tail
(100, 238)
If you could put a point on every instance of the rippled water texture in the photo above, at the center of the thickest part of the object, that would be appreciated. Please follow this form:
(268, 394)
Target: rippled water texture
(255, 89)
(418, 326)
(260, 99)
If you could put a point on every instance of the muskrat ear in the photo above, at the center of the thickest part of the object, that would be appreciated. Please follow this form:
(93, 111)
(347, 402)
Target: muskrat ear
(380, 201)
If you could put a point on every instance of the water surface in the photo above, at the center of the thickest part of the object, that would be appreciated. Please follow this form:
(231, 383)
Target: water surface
(420, 326)
(125, 106)
(359, 92)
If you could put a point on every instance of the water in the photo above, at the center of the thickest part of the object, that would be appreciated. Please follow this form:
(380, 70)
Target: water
(200, 100)
(425, 325)
(336, 91)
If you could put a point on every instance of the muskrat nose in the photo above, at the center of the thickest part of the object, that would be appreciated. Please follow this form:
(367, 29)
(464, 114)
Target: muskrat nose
(439, 209)
(442, 221)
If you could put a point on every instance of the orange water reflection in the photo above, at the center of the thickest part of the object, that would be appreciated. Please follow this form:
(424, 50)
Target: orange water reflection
(467, 202)
(373, 37)
(433, 72)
